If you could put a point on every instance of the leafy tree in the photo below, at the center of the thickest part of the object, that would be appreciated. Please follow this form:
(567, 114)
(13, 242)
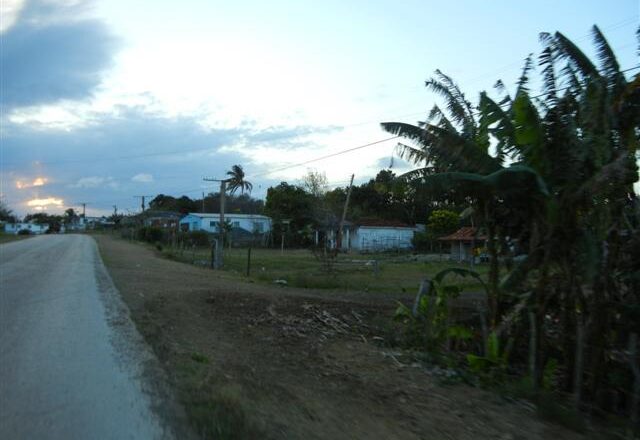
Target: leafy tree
(442, 222)
(315, 183)
(6, 214)
(293, 203)
(237, 181)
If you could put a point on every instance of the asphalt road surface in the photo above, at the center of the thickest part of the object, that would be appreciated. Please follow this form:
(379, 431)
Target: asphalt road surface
(72, 365)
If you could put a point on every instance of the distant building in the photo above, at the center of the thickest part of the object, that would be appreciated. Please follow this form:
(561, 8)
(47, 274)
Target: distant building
(372, 235)
(33, 228)
(463, 242)
(162, 219)
(209, 222)
(82, 223)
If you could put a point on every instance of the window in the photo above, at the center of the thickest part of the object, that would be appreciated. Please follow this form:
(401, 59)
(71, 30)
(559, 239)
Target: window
(236, 224)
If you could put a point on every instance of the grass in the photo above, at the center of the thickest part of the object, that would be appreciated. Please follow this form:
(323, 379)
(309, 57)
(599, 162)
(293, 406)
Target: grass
(7, 238)
(387, 273)
(215, 409)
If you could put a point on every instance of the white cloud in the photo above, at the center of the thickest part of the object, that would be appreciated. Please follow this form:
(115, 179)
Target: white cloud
(142, 178)
(9, 11)
(95, 182)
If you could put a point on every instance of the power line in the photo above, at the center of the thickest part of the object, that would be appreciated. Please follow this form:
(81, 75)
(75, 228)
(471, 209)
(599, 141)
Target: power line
(323, 157)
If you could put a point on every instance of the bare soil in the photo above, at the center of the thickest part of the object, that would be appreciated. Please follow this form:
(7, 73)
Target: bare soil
(255, 361)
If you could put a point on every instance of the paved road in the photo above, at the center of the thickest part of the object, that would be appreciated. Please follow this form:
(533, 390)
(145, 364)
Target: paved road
(71, 364)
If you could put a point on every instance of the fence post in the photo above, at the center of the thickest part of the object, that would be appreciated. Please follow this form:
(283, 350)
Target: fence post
(249, 262)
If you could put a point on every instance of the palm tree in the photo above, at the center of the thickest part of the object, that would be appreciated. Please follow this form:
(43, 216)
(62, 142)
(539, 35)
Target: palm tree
(236, 180)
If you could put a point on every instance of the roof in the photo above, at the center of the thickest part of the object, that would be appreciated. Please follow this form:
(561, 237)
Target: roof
(227, 214)
(382, 223)
(465, 233)
(164, 214)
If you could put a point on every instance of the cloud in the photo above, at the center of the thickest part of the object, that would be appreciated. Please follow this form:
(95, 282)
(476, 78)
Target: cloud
(49, 54)
(38, 181)
(94, 182)
(142, 178)
(101, 163)
(44, 203)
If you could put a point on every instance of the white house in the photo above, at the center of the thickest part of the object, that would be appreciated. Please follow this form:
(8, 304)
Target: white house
(33, 228)
(373, 235)
(252, 223)
(464, 243)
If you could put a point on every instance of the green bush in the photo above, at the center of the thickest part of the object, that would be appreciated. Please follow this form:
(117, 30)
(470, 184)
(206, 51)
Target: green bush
(24, 232)
(150, 234)
(421, 241)
(197, 238)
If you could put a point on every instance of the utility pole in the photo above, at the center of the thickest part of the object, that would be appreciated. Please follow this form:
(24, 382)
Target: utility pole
(223, 189)
(344, 214)
(84, 206)
(115, 210)
(203, 201)
(142, 198)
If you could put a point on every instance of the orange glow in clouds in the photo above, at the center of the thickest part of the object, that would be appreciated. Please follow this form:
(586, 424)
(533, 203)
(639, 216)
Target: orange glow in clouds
(38, 181)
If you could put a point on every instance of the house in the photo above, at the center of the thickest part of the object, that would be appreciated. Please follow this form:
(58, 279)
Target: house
(162, 219)
(240, 223)
(373, 235)
(82, 223)
(33, 228)
(463, 243)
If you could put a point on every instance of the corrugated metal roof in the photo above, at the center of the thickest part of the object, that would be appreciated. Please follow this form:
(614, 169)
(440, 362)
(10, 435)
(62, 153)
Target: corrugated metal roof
(466, 233)
(382, 223)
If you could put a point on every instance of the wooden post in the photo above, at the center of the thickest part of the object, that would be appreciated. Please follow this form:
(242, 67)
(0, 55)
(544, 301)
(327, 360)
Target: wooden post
(249, 262)
(220, 247)
(344, 215)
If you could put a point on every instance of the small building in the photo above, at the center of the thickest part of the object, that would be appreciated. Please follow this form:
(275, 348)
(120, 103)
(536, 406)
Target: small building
(33, 228)
(162, 219)
(373, 235)
(463, 243)
(209, 222)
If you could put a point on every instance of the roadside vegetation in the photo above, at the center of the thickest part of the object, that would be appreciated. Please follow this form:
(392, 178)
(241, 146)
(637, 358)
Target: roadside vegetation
(548, 177)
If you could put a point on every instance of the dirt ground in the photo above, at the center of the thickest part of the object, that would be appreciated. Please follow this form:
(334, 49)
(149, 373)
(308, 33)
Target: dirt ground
(251, 361)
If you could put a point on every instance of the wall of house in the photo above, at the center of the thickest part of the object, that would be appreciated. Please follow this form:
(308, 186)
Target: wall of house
(461, 251)
(370, 238)
(259, 224)
(14, 228)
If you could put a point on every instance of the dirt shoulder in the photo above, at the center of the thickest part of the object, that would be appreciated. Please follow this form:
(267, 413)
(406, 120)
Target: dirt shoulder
(251, 361)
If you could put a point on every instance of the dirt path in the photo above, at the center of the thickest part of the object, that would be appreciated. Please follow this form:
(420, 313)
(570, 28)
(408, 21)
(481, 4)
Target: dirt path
(269, 362)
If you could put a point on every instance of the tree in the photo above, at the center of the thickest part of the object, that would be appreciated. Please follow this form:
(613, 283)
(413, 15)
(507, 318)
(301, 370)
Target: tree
(293, 203)
(236, 180)
(442, 222)
(6, 214)
(568, 198)
(315, 183)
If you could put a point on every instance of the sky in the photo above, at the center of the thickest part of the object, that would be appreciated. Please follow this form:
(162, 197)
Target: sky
(102, 101)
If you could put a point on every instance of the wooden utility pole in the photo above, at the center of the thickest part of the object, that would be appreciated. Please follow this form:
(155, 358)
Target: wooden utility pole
(142, 199)
(203, 202)
(344, 214)
(84, 206)
(219, 248)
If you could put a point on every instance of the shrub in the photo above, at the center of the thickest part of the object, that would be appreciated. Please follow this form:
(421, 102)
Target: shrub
(197, 238)
(24, 232)
(150, 234)
(421, 241)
